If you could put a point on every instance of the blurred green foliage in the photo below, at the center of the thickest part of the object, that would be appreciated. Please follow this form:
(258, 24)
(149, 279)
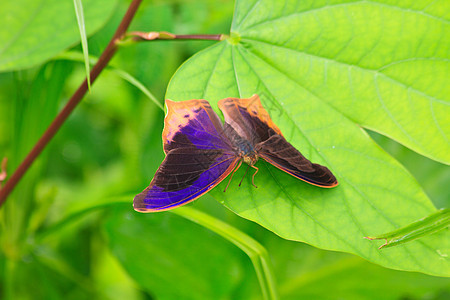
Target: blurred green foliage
(55, 243)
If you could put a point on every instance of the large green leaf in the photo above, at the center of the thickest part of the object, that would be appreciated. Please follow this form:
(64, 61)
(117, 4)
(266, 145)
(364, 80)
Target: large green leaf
(323, 70)
(28, 38)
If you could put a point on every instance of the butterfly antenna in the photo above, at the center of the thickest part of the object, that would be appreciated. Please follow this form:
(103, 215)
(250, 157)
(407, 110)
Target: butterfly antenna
(253, 177)
(234, 171)
(246, 170)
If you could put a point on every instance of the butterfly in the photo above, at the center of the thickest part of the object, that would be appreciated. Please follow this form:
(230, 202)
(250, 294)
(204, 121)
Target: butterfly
(201, 151)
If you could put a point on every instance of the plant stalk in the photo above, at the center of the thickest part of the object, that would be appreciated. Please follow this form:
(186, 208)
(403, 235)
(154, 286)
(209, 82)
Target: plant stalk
(163, 35)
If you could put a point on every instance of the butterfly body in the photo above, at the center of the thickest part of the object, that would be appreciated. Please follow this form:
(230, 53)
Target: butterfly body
(201, 151)
(250, 158)
(242, 147)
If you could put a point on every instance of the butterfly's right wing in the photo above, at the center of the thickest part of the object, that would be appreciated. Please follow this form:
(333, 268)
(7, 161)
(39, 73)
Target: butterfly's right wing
(198, 157)
(280, 153)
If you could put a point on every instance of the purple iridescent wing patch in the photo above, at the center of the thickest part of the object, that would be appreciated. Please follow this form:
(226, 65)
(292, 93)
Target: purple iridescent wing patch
(198, 157)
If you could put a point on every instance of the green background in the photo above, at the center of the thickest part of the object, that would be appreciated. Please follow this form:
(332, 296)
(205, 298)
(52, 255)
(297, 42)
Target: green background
(63, 234)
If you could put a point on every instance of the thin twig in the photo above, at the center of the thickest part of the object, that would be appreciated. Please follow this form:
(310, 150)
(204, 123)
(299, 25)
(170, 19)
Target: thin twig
(71, 104)
(163, 35)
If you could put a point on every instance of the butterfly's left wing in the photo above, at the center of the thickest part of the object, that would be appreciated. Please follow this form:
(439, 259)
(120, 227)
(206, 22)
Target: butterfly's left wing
(198, 157)
(280, 153)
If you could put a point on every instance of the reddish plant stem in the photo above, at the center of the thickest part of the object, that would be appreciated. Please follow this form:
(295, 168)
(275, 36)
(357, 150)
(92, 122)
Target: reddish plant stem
(71, 104)
(214, 37)
(163, 35)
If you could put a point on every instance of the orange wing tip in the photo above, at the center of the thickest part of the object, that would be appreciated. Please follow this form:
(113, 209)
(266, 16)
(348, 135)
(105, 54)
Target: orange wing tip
(240, 101)
(222, 102)
(316, 184)
(255, 108)
(335, 184)
(175, 105)
(255, 97)
(175, 115)
(170, 104)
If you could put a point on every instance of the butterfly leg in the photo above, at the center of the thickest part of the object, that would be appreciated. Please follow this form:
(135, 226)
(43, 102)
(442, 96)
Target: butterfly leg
(234, 171)
(253, 177)
(246, 170)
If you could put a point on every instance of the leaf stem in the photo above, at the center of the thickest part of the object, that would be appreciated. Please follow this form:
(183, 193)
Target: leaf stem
(257, 253)
(71, 104)
(163, 35)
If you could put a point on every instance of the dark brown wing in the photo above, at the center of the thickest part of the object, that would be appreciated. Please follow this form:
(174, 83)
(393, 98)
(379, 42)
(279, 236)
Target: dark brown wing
(280, 153)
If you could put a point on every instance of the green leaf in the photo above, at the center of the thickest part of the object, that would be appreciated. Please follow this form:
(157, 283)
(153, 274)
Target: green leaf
(323, 70)
(429, 225)
(153, 249)
(78, 5)
(28, 38)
